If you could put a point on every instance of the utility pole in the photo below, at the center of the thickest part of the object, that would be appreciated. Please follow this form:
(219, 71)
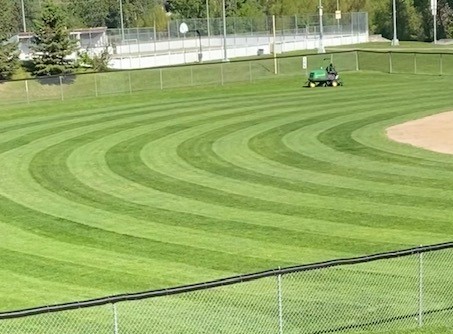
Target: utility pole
(122, 20)
(24, 23)
(395, 41)
(321, 28)
(207, 18)
(434, 12)
(225, 57)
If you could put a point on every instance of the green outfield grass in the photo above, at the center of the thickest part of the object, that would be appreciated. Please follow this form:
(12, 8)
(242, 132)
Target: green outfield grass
(129, 192)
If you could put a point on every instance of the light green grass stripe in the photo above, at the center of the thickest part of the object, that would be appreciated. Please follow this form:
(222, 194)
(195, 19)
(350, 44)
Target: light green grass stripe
(29, 243)
(373, 135)
(234, 148)
(158, 159)
(98, 149)
(316, 150)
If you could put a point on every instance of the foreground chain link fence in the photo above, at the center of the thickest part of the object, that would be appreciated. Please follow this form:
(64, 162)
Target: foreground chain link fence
(150, 80)
(396, 290)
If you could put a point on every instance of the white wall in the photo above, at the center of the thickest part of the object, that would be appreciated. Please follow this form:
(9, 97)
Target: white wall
(186, 51)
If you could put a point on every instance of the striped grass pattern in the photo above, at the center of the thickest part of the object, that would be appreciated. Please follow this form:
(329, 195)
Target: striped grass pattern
(126, 193)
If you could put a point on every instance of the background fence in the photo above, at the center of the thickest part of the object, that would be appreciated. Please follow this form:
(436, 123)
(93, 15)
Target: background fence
(289, 26)
(396, 290)
(355, 22)
(153, 47)
(121, 82)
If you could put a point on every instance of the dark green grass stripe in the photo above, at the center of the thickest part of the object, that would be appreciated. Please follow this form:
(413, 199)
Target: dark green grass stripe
(52, 154)
(339, 138)
(115, 105)
(56, 181)
(67, 272)
(190, 149)
(138, 172)
(145, 111)
(88, 236)
(269, 144)
(171, 108)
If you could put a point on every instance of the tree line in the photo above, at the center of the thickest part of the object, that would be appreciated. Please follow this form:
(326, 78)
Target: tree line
(415, 21)
(414, 16)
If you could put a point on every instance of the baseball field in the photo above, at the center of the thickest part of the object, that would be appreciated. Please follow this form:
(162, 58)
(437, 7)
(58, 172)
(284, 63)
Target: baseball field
(130, 192)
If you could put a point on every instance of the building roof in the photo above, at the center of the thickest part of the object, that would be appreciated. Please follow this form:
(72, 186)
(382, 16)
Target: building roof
(82, 31)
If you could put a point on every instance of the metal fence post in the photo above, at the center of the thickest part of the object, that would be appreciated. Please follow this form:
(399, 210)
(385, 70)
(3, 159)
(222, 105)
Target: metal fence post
(441, 64)
(26, 91)
(280, 304)
(390, 63)
(115, 319)
(357, 68)
(61, 87)
(130, 82)
(420, 289)
(95, 85)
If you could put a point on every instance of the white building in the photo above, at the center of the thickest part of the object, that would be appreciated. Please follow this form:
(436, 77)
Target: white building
(91, 40)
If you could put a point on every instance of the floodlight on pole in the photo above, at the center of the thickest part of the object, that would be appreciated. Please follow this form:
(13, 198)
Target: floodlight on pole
(395, 41)
(321, 28)
(122, 19)
(225, 57)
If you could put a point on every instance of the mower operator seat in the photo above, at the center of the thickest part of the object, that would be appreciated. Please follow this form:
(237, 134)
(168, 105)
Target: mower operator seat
(331, 69)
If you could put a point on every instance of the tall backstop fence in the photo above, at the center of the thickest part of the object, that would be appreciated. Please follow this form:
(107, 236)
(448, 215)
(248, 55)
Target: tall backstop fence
(403, 289)
(204, 40)
(249, 70)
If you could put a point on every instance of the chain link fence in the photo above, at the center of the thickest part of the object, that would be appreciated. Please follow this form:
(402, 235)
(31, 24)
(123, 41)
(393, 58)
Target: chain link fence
(124, 82)
(297, 25)
(204, 41)
(397, 290)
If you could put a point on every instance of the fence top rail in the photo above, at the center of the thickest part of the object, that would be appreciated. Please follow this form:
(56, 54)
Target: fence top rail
(222, 282)
(448, 51)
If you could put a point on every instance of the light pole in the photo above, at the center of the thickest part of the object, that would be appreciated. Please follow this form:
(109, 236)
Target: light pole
(225, 57)
(321, 28)
(434, 12)
(337, 13)
(207, 18)
(395, 41)
(122, 20)
(24, 24)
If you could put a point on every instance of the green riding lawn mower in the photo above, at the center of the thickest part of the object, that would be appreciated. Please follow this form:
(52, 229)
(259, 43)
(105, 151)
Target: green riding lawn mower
(327, 77)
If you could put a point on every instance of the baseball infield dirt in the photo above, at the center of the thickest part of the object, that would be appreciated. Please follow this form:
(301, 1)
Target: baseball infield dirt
(433, 133)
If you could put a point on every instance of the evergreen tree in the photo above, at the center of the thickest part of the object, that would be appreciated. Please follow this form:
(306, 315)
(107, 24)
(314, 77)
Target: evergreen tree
(52, 43)
(9, 59)
(9, 53)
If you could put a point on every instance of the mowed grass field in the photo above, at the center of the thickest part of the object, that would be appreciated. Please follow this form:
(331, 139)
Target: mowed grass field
(142, 191)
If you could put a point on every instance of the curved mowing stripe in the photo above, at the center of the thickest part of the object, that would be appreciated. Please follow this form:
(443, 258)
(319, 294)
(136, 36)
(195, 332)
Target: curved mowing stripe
(185, 186)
